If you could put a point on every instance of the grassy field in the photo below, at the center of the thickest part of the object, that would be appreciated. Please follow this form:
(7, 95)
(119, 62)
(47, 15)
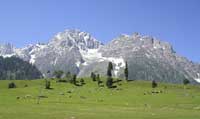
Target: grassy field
(132, 100)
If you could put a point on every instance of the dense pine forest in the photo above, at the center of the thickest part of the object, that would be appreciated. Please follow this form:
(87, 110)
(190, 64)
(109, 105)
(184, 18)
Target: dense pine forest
(15, 68)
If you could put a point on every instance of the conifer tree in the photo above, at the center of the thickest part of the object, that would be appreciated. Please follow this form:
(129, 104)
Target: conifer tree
(109, 81)
(109, 70)
(154, 84)
(93, 76)
(74, 79)
(126, 71)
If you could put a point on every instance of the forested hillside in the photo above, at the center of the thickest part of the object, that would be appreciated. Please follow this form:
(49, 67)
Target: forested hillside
(15, 68)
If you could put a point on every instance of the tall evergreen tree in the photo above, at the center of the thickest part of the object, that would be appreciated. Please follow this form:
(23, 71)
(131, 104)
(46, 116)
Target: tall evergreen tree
(154, 84)
(109, 70)
(47, 84)
(126, 71)
(74, 79)
(93, 76)
(109, 81)
(186, 81)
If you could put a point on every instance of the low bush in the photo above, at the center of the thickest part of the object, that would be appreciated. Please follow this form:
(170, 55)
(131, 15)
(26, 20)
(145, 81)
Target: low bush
(48, 84)
(154, 84)
(25, 85)
(12, 85)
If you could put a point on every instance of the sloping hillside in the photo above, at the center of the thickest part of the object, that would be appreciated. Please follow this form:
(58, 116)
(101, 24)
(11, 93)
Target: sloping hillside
(15, 68)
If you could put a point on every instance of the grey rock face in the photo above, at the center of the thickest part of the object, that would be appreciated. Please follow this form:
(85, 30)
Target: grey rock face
(61, 53)
(78, 52)
(152, 59)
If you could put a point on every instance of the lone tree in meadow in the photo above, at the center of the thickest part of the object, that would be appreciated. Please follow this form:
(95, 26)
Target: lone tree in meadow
(93, 76)
(12, 85)
(47, 84)
(74, 79)
(126, 71)
(109, 81)
(186, 81)
(154, 84)
(109, 70)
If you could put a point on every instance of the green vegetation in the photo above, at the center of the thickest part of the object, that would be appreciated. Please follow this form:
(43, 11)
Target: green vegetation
(48, 84)
(11, 85)
(93, 76)
(126, 71)
(15, 68)
(109, 82)
(186, 81)
(154, 84)
(132, 100)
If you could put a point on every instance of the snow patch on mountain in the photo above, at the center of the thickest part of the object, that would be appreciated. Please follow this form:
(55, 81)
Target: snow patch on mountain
(198, 78)
(32, 60)
(8, 55)
(90, 55)
(55, 61)
(93, 55)
(78, 63)
(119, 63)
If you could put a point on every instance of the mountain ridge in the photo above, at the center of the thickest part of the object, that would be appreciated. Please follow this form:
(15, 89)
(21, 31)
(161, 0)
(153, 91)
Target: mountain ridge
(79, 52)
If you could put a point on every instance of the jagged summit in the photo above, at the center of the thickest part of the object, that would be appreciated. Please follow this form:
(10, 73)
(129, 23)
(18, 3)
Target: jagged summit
(138, 42)
(75, 38)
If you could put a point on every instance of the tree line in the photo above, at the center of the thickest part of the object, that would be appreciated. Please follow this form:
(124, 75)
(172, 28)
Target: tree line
(15, 68)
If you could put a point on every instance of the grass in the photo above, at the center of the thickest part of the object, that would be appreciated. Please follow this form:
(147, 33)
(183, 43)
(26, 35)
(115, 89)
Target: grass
(91, 102)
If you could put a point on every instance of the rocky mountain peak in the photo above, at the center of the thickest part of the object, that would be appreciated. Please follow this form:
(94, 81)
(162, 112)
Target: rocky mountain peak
(142, 42)
(75, 38)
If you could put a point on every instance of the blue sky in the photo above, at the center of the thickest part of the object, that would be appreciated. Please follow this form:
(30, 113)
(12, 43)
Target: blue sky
(176, 21)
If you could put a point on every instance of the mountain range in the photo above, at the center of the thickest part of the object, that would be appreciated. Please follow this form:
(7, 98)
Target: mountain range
(78, 52)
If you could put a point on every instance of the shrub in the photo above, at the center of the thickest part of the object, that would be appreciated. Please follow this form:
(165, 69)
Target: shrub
(48, 84)
(93, 76)
(25, 85)
(11, 85)
(73, 81)
(82, 81)
(186, 81)
(99, 83)
(62, 80)
(154, 84)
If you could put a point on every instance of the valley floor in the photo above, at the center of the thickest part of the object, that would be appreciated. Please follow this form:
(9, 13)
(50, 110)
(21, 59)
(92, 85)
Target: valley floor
(131, 100)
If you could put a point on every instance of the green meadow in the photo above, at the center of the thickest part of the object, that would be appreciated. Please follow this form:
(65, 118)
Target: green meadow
(130, 100)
